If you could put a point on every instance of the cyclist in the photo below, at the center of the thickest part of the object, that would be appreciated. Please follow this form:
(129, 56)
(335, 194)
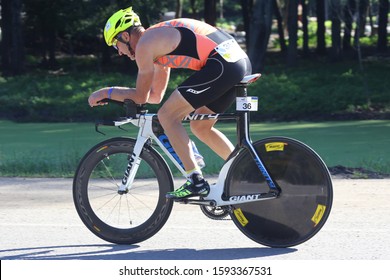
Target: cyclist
(219, 63)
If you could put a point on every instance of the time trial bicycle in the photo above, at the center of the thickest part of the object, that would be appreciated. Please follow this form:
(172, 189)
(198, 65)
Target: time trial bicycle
(277, 190)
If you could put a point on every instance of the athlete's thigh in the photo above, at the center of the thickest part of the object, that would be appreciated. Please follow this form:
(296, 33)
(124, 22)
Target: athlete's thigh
(203, 124)
(212, 82)
(176, 106)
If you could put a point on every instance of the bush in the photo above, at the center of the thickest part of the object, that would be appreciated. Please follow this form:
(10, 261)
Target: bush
(314, 90)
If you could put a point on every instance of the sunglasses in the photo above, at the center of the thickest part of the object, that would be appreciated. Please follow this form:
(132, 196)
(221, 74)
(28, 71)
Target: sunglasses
(116, 39)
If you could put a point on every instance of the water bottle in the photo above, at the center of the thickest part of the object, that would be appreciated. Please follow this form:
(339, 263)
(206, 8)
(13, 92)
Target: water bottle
(198, 156)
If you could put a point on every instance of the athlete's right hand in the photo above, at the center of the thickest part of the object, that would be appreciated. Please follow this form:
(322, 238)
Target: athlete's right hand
(95, 98)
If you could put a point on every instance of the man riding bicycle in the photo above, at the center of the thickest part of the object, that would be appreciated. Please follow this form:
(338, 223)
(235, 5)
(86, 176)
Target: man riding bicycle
(219, 63)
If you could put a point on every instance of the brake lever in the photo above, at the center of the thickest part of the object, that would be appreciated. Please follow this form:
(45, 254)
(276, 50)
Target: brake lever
(120, 127)
(97, 129)
(99, 123)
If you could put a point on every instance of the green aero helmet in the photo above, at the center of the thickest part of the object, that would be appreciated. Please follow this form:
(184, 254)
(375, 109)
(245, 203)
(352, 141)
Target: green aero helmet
(119, 22)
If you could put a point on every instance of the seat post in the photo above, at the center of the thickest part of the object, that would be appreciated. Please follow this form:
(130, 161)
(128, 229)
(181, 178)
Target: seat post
(243, 117)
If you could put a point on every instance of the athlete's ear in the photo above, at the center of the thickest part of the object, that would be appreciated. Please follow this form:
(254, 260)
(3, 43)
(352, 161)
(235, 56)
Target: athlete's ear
(126, 36)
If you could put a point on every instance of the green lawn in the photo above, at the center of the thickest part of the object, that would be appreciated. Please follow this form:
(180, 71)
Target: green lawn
(54, 149)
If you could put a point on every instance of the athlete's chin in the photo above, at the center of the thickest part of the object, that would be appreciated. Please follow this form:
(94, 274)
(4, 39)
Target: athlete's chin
(132, 55)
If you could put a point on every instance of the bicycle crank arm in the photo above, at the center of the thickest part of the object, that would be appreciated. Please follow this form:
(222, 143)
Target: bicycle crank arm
(196, 201)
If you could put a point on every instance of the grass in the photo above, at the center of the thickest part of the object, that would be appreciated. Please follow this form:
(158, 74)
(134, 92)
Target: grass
(348, 143)
(54, 149)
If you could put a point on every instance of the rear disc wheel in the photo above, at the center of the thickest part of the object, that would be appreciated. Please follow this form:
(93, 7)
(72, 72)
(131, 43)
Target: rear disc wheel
(306, 194)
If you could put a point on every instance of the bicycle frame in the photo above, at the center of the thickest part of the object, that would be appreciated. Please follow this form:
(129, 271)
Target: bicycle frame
(149, 126)
(113, 212)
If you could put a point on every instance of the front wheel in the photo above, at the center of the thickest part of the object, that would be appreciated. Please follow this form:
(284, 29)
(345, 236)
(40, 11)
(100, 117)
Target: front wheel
(122, 217)
(306, 194)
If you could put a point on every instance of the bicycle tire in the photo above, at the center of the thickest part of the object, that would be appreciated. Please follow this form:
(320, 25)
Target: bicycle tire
(306, 194)
(122, 218)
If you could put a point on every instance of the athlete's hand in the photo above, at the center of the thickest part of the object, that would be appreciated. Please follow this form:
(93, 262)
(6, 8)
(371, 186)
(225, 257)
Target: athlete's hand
(95, 97)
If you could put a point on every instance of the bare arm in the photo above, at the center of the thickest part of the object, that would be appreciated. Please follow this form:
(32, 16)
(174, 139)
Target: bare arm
(159, 85)
(117, 93)
(155, 96)
(140, 94)
(152, 80)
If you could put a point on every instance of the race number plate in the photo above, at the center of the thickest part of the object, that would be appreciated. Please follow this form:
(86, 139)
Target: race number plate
(248, 103)
(230, 51)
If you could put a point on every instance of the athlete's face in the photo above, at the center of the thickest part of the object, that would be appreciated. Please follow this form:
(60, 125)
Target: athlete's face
(124, 44)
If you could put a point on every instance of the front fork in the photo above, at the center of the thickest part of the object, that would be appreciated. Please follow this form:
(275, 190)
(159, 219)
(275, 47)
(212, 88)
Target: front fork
(132, 165)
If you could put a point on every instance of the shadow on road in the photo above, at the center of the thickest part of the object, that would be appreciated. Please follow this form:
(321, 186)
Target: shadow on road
(122, 252)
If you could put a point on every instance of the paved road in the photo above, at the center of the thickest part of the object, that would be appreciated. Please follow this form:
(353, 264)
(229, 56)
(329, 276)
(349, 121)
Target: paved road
(38, 222)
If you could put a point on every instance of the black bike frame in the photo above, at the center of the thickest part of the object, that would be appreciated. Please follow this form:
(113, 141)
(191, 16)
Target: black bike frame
(242, 119)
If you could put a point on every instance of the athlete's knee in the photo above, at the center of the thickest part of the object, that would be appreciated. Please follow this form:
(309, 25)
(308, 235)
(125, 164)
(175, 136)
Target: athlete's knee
(155, 99)
(167, 117)
(163, 115)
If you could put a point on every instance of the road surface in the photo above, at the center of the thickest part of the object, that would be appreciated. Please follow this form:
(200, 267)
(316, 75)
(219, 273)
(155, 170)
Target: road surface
(39, 222)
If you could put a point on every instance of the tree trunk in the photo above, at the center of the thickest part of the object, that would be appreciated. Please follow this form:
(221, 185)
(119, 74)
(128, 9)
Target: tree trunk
(370, 18)
(12, 44)
(362, 8)
(321, 46)
(336, 29)
(179, 8)
(305, 27)
(292, 27)
(260, 31)
(382, 26)
(6, 34)
(247, 8)
(221, 9)
(210, 12)
(348, 10)
(279, 20)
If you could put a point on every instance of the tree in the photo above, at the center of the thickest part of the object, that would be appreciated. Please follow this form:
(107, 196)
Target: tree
(335, 8)
(292, 27)
(179, 8)
(246, 7)
(348, 11)
(279, 20)
(305, 27)
(194, 9)
(382, 26)
(210, 12)
(45, 20)
(362, 15)
(320, 11)
(12, 45)
(260, 31)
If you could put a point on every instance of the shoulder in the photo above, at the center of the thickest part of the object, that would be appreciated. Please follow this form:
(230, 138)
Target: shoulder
(160, 41)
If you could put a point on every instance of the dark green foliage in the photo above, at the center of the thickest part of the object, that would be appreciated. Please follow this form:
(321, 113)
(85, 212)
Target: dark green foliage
(313, 90)
(324, 91)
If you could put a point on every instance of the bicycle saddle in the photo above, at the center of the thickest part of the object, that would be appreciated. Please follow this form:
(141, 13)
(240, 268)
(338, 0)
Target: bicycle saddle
(250, 79)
